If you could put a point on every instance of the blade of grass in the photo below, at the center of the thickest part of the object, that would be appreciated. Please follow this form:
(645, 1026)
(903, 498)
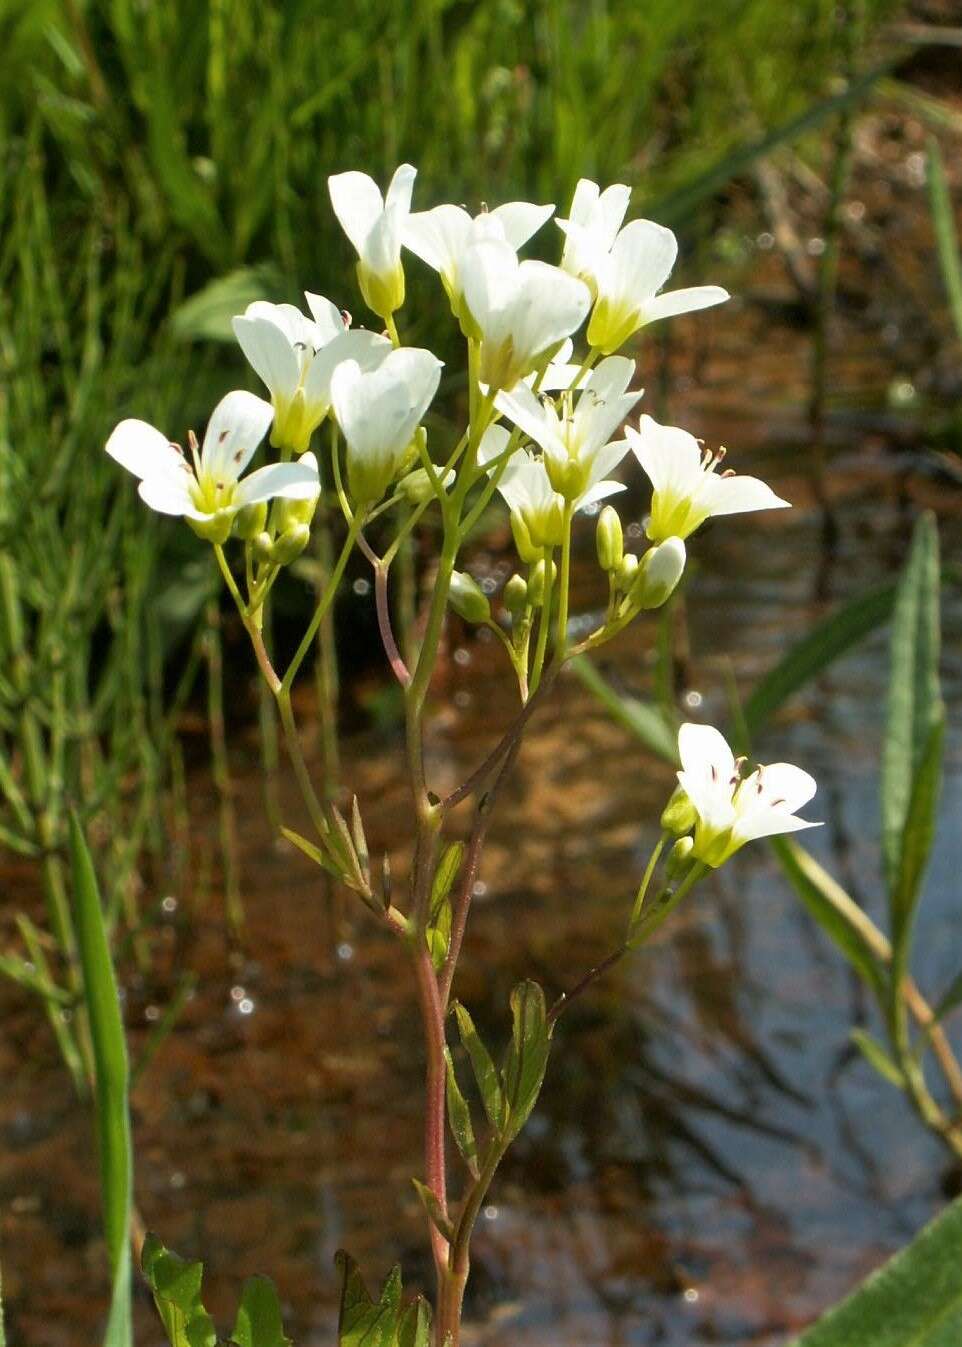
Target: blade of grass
(946, 238)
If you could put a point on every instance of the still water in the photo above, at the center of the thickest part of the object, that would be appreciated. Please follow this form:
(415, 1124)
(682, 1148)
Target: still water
(710, 1162)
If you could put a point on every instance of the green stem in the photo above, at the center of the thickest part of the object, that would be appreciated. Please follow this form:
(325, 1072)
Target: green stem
(326, 600)
(564, 582)
(646, 878)
(544, 623)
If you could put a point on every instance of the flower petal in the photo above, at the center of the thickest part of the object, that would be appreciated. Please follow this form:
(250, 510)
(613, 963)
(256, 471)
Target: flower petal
(604, 404)
(144, 450)
(683, 301)
(270, 354)
(736, 495)
(549, 306)
(293, 481)
(439, 237)
(494, 441)
(401, 189)
(670, 456)
(528, 413)
(367, 349)
(769, 823)
(236, 427)
(708, 770)
(489, 282)
(169, 495)
(327, 316)
(639, 263)
(521, 219)
(357, 202)
(600, 491)
(786, 786)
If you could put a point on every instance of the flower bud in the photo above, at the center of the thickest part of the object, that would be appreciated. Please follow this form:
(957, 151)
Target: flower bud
(416, 487)
(515, 595)
(609, 539)
(262, 546)
(527, 551)
(627, 570)
(290, 544)
(289, 513)
(679, 859)
(678, 816)
(468, 599)
(536, 585)
(250, 521)
(658, 573)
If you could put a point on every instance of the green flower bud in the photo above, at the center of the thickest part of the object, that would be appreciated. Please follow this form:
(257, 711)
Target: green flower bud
(290, 544)
(383, 291)
(678, 816)
(609, 539)
(536, 585)
(288, 513)
(468, 599)
(627, 570)
(515, 595)
(658, 573)
(250, 521)
(527, 551)
(262, 545)
(679, 859)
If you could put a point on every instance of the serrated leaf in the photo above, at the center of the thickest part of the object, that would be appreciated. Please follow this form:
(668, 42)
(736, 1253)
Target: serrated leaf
(432, 1207)
(176, 1287)
(914, 702)
(414, 1329)
(527, 1057)
(485, 1072)
(259, 1322)
(838, 914)
(877, 1057)
(459, 1117)
(915, 1300)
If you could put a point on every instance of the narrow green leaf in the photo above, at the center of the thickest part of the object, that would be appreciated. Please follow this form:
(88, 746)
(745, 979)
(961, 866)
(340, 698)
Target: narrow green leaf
(914, 702)
(312, 852)
(258, 1322)
(915, 1300)
(821, 646)
(459, 1116)
(877, 1057)
(838, 914)
(485, 1072)
(26, 975)
(645, 721)
(432, 1207)
(918, 836)
(176, 1287)
(949, 1000)
(946, 238)
(414, 1329)
(111, 1079)
(527, 1056)
(446, 873)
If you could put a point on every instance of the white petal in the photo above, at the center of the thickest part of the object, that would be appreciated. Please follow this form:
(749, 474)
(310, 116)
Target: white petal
(786, 786)
(236, 427)
(294, 481)
(439, 236)
(736, 495)
(683, 301)
(401, 189)
(357, 202)
(379, 411)
(489, 282)
(550, 305)
(600, 491)
(705, 754)
(769, 823)
(521, 219)
(527, 412)
(607, 458)
(328, 317)
(611, 210)
(169, 495)
(670, 456)
(604, 405)
(494, 441)
(143, 450)
(270, 354)
(639, 263)
(583, 202)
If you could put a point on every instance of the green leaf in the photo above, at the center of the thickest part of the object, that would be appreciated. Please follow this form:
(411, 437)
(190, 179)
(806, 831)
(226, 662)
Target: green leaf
(459, 1117)
(485, 1072)
(432, 1207)
(111, 1079)
(946, 238)
(838, 914)
(207, 314)
(915, 1300)
(446, 874)
(176, 1288)
(414, 1329)
(821, 646)
(949, 1000)
(439, 925)
(361, 1322)
(919, 834)
(527, 1056)
(877, 1057)
(258, 1322)
(914, 702)
(312, 852)
(646, 722)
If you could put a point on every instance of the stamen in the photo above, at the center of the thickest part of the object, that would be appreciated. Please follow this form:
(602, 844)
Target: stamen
(346, 318)
(194, 450)
(729, 472)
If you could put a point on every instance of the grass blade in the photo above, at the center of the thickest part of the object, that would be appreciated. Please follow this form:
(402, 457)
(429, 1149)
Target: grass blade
(110, 1083)
(645, 721)
(946, 238)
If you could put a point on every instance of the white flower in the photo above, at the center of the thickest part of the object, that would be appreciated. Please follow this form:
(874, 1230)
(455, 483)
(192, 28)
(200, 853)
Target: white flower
(441, 237)
(209, 493)
(687, 488)
(592, 227)
(376, 226)
(629, 278)
(520, 311)
(378, 412)
(295, 356)
(577, 438)
(730, 810)
(527, 491)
